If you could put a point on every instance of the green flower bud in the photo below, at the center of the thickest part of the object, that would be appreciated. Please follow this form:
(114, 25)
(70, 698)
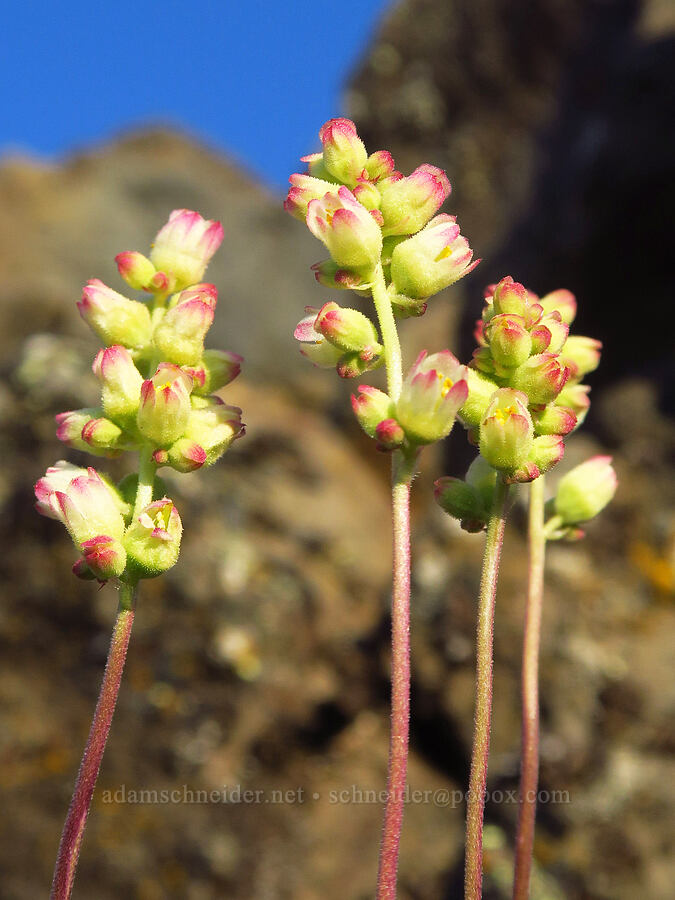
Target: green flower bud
(542, 377)
(481, 390)
(585, 490)
(371, 407)
(509, 340)
(347, 329)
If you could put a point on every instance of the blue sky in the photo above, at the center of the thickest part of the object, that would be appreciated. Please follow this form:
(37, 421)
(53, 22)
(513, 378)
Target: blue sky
(255, 79)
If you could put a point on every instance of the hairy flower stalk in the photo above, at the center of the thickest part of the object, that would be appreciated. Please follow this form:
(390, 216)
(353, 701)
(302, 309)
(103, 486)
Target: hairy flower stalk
(582, 493)
(529, 759)
(383, 240)
(73, 829)
(473, 875)
(157, 385)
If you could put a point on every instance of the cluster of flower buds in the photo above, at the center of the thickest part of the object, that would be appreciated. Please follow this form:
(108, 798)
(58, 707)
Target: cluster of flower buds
(157, 397)
(369, 215)
(524, 380)
(433, 392)
(340, 338)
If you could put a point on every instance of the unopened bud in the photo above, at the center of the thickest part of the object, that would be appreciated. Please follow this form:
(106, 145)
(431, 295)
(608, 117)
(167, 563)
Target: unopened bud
(179, 336)
(213, 426)
(585, 490)
(216, 369)
(371, 407)
(542, 377)
(114, 318)
(304, 189)
(581, 355)
(347, 329)
(389, 434)
(510, 342)
(407, 204)
(561, 301)
(136, 270)
(120, 380)
(104, 556)
(344, 154)
(184, 247)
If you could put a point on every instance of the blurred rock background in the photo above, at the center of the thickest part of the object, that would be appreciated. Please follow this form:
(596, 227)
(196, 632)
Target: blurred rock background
(260, 662)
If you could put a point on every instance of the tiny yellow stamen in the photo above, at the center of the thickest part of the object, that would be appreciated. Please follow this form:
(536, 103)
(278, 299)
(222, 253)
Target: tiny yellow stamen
(446, 383)
(444, 254)
(503, 415)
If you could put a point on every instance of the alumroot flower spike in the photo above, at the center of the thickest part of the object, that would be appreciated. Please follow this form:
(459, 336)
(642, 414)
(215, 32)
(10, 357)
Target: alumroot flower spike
(365, 212)
(157, 382)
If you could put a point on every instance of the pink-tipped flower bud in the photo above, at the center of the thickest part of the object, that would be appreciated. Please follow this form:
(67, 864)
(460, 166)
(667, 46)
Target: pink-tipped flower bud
(575, 397)
(560, 301)
(101, 435)
(585, 490)
(329, 274)
(581, 355)
(389, 435)
(509, 340)
(184, 246)
(120, 382)
(547, 451)
(315, 347)
(549, 334)
(379, 165)
(542, 377)
(183, 456)
(104, 557)
(349, 231)
(554, 419)
(480, 392)
(136, 270)
(180, 334)
(165, 405)
(213, 425)
(371, 407)
(433, 391)
(510, 298)
(81, 500)
(304, 189)
(216, 369)
(407, 204)
(70, 428)
(432, 260)
(113, 318)
(152, 541)
(347, 329)
(506, 432)
(356, 363)
(344, 154)
(367, 195)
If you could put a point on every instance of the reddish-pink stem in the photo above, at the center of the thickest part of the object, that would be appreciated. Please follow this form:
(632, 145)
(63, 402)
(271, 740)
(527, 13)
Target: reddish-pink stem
(473, 875)
(403, 470)
(529, 764)
(73, 830)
